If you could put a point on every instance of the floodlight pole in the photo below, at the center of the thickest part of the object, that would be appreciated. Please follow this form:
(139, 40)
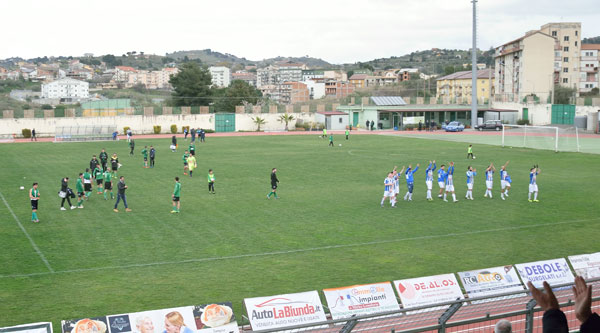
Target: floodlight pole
(474, 68)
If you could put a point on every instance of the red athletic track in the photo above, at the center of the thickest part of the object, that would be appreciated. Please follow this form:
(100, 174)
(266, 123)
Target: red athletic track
(355, 132)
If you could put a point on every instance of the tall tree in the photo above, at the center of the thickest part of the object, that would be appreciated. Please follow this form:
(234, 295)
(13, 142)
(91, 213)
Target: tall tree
(236, 94)
(191, 85)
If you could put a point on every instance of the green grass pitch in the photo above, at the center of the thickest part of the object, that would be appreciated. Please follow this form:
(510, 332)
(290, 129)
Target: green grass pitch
(327, 229)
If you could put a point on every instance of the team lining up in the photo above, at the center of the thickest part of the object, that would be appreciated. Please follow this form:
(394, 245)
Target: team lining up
(445, 179)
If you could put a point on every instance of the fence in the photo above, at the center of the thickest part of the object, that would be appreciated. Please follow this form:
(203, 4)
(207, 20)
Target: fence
(469, 315)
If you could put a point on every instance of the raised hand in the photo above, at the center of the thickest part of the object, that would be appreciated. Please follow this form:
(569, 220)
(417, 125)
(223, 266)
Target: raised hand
(547, 301)
(583, 299)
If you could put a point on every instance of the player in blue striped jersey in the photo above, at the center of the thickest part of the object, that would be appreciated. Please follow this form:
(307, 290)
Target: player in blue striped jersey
(450, 182)
(504, 181)
(396, 189)
(471, 173)
(533, 188)
(429, 179)
(410, 181)
(441, 180)
(489, 180)
(389, 188)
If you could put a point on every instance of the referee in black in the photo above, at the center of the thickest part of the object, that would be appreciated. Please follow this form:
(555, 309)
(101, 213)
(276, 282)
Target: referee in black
(274, 182)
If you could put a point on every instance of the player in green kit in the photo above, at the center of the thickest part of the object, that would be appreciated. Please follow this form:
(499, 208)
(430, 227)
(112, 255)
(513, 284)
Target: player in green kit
(331, 140)
(80, 191)
(87, 183)
(347, 134)
(108, 184)
(99, 175)
(34, 197)
(185, 162)
(211, 181)
(176, 196)
(145, 154)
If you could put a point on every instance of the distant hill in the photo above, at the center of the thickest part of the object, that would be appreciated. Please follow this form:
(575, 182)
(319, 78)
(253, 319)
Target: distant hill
(591, 40)
(432, 61)
(210, 57)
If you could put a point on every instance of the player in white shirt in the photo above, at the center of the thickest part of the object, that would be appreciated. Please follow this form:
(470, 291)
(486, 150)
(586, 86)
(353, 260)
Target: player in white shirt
(489, 180)
(396, 189)
(450, 182)
(429, 179)
(441, 180)
(389, 188)
(471, 173)
(533, 188)
(504, 181)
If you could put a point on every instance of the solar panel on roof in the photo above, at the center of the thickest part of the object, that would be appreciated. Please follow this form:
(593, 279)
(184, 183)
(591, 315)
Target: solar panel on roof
(388, 100)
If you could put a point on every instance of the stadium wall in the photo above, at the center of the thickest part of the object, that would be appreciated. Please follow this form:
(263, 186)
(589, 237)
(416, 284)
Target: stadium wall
(541, 114)
(144, 124)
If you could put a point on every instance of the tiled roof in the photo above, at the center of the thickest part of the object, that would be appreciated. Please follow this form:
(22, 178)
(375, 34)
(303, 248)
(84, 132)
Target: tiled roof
(590, 46)
(358, 77)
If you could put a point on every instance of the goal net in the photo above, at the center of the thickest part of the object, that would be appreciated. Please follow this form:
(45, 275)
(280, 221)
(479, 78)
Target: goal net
(541, 137)
(85, 133)
(4, 138)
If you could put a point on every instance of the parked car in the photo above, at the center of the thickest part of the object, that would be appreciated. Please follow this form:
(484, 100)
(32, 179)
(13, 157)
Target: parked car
(491, 125)
(455, 126)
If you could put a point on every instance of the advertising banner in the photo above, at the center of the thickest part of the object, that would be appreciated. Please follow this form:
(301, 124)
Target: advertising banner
(586, 265)
(284, 310)
(428, 290)
(554, 271)
(360, 300)
(490, 281)
(208, 318)
(44, 327)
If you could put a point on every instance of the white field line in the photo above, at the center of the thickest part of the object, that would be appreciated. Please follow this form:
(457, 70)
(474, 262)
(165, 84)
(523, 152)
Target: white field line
(35, 247)
(304, 250)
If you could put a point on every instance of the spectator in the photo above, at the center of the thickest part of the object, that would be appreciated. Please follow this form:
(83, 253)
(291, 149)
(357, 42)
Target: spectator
(33, 137)
(503, 326)
(554, 319)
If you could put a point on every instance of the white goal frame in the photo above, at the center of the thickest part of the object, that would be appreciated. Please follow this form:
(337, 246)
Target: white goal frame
(525, 127)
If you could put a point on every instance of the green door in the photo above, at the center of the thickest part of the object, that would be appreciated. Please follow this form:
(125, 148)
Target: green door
(525, 114)
(563, 114)
(452, 116)
(355, 119)
(224, 122)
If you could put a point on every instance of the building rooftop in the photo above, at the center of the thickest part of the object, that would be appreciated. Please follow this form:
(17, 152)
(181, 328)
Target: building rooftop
(388, 100)
(590, 46)
(462, 75)
(358, 77)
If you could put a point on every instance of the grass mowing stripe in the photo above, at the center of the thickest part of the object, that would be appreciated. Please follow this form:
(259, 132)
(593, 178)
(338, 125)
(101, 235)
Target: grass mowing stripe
(273, 253)
(35, 247)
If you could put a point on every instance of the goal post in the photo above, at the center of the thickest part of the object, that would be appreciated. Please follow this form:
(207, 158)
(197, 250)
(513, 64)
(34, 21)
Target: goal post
(85, 133)
(541, 137)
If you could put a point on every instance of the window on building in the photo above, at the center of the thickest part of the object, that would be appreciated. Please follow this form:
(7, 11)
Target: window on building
(566, 38)
(575, 43)
(565, 70)
(576, 32)
(566, 59)
(565, 80)
(554, 33)
(340, 119)
(566, 49)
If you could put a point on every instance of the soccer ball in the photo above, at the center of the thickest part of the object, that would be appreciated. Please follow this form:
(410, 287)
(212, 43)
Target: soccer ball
(22, 188)
(340, 144)
(474, 157)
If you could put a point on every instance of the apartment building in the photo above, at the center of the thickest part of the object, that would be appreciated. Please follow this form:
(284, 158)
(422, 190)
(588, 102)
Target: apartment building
(221, 76)
(279, 73)
(249, 78)
(293, 92)
(359, 80)
(589, 78)
(525, 66)
(567, 51)
(459, 85)
(68, 89)
(338, 89)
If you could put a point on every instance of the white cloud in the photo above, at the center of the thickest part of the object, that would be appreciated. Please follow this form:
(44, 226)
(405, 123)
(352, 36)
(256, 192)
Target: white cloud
(337, 31)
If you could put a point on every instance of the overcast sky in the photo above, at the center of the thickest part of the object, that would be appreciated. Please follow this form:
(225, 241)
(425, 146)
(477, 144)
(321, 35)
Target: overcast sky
(338, 31)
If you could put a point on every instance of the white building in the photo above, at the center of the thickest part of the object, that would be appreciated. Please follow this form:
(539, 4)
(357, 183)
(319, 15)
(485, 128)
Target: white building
(66, 89)
(221, 76)
(316, 89)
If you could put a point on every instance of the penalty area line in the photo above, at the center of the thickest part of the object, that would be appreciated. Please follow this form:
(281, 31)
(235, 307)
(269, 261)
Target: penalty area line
(35, 247)
(304, 250)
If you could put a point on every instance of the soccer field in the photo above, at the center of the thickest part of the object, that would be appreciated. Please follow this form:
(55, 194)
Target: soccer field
(326, 230)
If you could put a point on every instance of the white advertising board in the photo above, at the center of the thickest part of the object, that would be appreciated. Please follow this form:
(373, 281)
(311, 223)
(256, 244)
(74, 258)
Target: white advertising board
(490, 281)
(282, 311)
(554, 272)
(428, 290)
(586, 265)
(360, 300)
